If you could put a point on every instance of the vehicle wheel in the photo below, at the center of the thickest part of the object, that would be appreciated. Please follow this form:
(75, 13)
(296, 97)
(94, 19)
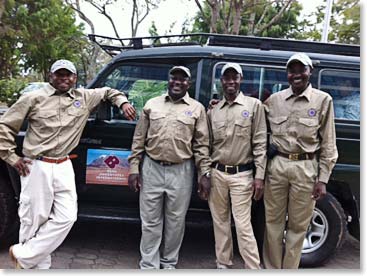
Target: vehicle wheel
(325, 233)
(9, 221)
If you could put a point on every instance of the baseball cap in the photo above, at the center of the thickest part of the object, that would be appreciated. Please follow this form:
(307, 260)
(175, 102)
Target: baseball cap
(301, 57)
(181, 68)
(63, 64)
(232, 65)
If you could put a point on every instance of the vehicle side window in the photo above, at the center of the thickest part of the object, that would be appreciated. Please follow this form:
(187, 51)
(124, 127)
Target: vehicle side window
(258, 81)
(140, 82)
(344, 87)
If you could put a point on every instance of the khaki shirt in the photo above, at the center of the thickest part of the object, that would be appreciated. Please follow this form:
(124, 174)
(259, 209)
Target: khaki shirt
(238, 133)
(304, 124)
(172, 132)
(55, 121)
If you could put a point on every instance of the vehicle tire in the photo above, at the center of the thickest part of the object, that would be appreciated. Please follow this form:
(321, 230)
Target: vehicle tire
(9, 221)
(325, 233)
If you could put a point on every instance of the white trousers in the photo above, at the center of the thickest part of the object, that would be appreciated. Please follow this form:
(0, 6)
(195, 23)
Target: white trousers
(47, 211)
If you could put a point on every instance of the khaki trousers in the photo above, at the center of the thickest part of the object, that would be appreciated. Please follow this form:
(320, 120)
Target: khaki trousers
(164, 200)
(288, 189)
(47, 211)
(233, 191)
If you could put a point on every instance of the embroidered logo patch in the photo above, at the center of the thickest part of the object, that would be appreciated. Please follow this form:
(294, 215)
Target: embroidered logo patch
(311, 112)
(245, 114)
(188, 113)
(77, 103)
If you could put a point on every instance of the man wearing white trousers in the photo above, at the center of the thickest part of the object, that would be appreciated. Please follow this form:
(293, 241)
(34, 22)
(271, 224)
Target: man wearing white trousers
(56, 117)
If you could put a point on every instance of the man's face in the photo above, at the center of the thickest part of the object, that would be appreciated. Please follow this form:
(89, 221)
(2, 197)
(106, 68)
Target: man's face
(298, 76)
(231, 81)
(178, 84)
(63, 80)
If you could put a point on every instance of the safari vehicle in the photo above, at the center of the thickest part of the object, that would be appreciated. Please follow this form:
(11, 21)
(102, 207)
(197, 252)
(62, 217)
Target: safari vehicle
(140, 68)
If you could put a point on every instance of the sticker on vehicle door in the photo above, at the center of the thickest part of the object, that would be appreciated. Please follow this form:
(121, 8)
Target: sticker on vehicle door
(107, 167)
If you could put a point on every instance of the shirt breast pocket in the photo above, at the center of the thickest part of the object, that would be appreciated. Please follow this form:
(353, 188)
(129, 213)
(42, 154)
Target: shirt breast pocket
(156, 122)
(243, 128)
(219, 130)
(308, 128)
(185, 127)
(46, 119)
(278, 125)
(74, 117)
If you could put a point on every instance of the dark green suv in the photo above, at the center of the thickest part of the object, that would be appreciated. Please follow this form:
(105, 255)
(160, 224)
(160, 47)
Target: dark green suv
(140, 69)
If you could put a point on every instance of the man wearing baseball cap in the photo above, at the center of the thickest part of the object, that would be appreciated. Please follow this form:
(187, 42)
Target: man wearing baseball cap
(301, 156)
(172, 132)
(238, 147)
(56, 117)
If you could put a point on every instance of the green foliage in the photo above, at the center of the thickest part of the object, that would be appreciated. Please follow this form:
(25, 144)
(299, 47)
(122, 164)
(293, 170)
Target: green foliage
(38, 33)
(9, 90)
(143, 90)
(344, 22)
(286, 27)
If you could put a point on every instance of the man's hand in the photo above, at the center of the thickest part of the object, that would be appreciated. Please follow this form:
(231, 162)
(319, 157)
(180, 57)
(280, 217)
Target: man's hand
(204, 187)
(22, 167)
(258, 188)
(212, 103)
(129, 111)
(134, 182)
(319, 190)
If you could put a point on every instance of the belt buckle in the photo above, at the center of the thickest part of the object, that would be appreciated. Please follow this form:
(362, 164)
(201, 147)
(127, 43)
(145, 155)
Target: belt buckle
(293, 156)
(225, 168)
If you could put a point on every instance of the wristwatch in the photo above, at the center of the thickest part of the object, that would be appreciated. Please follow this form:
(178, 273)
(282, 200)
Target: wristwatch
(207, 174)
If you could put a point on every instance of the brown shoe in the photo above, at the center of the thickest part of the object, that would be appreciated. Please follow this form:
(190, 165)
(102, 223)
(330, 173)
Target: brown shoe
(12, 257)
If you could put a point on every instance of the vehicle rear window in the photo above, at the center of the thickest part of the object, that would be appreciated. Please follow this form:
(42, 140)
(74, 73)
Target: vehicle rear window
(344, 87)
(258, 81)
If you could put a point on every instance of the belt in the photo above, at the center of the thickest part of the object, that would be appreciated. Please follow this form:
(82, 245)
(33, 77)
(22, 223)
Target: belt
(56, 160)
(229, 169)
(163, 163)
(297, 156)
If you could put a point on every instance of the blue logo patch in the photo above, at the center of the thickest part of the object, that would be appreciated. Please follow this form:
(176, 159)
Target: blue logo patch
(77, 103)
(188, 113)
(312, 112)
(245, 114)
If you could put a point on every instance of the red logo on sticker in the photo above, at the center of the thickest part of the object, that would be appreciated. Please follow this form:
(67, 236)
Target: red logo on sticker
(112, 161)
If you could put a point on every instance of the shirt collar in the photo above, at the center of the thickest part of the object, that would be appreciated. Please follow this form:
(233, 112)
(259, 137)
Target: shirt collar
(51, 91)
(306, 94)
(240, 99)
(185, 99)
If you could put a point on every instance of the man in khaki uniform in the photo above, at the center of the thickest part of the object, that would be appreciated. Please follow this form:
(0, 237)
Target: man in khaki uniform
(171, 130)
(56, 117)
(238, 143)
(303, 152)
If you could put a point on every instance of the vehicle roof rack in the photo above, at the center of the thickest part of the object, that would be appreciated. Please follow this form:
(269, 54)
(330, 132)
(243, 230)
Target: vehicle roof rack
(117, 45)
(114, 46)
